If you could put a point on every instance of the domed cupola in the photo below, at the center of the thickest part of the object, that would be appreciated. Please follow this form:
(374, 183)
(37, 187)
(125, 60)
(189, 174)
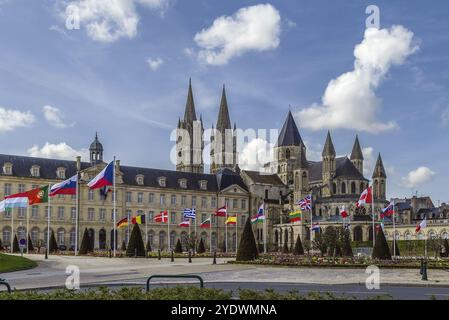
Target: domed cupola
(96, 151)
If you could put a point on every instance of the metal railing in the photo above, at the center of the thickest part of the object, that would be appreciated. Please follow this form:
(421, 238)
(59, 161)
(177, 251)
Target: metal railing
(174, 277)
(6, 284)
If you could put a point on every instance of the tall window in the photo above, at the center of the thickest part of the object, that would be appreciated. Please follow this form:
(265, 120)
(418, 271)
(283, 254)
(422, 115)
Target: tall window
(90, 195)
(7, 189)
(21, 188)
(128, 197)
(35, 212)
(72, 236)
(61, 213)
(90, 214)
(61, 236)
(35, 236)
(162, 200)
(173, 200)
(213, 202)
(353, 187)
(343, 188)
(173, 217)
(193, 201)
(151, 198)
(6, 235)
(150, 216)
(203, 202)
(22, 212)
(73, 213)
(183, 201)
(102, 215)
(140, 198)
(243, 204)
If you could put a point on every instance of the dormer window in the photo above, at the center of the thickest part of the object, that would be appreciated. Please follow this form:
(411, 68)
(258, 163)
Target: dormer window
(203, 184)
(35, 171)
(183, 183)
(7, 168)
(140, 179)
(60, 173)
(162, 181)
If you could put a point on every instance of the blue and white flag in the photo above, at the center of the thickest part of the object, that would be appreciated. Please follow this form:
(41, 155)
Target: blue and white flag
(189, 213)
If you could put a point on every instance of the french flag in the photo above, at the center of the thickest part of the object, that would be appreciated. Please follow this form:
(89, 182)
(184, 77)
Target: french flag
(65, 187)
(104, 178)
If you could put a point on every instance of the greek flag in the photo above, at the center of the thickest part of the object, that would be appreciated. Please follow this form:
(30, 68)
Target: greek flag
(189, 213)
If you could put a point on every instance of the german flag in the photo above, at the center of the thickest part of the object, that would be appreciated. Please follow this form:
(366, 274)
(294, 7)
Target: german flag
(122, 223)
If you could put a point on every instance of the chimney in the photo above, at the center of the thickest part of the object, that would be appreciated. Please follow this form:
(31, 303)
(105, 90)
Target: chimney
(117, 165)
(78, 163)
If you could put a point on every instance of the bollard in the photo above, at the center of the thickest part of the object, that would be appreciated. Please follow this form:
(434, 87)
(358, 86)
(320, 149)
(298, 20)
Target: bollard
(159, 254)
(190, 256)
(215, 258)
(172, 256)
(46, 254)
(424, 271)
(421, 268)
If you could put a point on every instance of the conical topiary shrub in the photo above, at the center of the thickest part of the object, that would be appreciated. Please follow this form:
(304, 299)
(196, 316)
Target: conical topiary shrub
(148, 246)
(298, 250)
(30, 244)
(136, 247)
(247, 249)
(15, 245)
(347, 249)
(84, 248)
(285, 248)
(123, 246)
(201, 248)
(53, 243)
(381, 250)
(178, 247)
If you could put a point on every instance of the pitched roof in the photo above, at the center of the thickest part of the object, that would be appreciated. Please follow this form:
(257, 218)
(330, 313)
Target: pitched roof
(379, 170)
(226, 177)
(223, 122)
(356, 153)
(345, 169)
(289, 135)
(271, 179)
(190, 113)
(328, 146)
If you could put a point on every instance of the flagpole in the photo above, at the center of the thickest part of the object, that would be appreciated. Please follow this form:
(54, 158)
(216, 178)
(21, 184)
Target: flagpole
(226, 229)
(372, 209)
(236, 233)
(12, 229)
(115, 207)
(394, 232)
(264, 229)
(168, 229)
(195, 232)
(76, 212)
(48, 223)
(28, 225)
(210, 233)
(146, 230)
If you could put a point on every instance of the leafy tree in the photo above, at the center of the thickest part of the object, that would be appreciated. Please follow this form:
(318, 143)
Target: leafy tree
(247, 249)
(320, 243)
(148, 246)
(201, 248)
(123, 245)
(381, 250)
(347, 249)
(53, 243)
(15, 245)
(178, 247)
(332, 238)
(298, 250)
(30, 244)
(136, 245)
(445, 251)
(84, 248)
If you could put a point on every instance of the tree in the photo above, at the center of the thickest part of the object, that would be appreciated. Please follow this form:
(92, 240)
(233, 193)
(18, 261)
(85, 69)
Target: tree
(381, 250)
(15, 245)
(247, 249)
(123, 246)
(148, 246)
(201, 248)
(319, 243)
(332, 238)
(53, 243)
(347, 249)
(178, 247)
(445, 251)
(84, 248)
(30, 244)
(136, 246)
(298, 250)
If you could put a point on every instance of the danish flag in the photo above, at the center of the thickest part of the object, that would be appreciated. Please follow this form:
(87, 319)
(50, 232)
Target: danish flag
(161, 217)
(365, 197)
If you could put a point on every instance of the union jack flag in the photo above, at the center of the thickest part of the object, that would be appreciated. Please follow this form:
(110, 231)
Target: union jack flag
(306, 203)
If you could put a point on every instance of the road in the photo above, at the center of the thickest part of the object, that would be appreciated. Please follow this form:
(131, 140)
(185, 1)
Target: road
(400, 283)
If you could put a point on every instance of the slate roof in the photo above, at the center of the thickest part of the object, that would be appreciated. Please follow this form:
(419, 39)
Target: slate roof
(96, 144)
(328, 146)
(21, 167)
(345, 169)
(223, 122)
(356, 153)
(379, 170)
(271, 179)
(190, 114)
(289, 135)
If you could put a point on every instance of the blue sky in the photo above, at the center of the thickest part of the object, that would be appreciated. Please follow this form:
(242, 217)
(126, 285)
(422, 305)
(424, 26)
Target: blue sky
(96, 80)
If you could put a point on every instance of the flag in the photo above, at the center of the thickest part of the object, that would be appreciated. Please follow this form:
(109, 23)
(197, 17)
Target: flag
(380, 226)
(343, 212)
(422, 225)
(104, 178)
(221, 212)
(2, 206)
(140, 219)
(65, 187)
(122, 223)
(365, 197)
(295, 215)
(19, 200)
(161, 217)
(316, 226)
(388, 211)
(205, 224)
(348, 226)
(306, 203)
(231, 220)
(185, 224)
(189, 213)
(38, 195)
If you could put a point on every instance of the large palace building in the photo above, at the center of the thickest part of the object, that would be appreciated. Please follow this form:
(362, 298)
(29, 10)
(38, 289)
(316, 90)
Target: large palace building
(334, 182)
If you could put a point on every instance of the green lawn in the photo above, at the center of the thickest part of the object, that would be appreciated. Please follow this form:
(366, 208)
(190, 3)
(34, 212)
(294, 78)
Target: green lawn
(14, 263)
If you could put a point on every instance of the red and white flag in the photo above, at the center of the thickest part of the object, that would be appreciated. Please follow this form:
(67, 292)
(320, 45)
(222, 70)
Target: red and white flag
(221, 212)
(365, 197)
(343, 212)
(184, 224)
(161, 217)
(422, 225)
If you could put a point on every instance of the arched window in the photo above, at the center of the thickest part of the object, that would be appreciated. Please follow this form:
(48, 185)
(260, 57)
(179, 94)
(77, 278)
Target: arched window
(334, 188)
(444, 235)
(343, 188)
(35, 236)
(337, 211)
(161, 239)
(353, 191)
(362, 187)
(61, 236)
(287, 154)
(73, 236)
(358, 234)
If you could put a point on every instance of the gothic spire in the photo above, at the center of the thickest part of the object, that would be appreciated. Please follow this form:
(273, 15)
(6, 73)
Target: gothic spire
(379, 170)
(289, 135)
(356, 153)
(223, 121)
(190, 114)
(328, 149)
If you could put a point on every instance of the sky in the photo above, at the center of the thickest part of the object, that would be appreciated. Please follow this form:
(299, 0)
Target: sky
(121, 67)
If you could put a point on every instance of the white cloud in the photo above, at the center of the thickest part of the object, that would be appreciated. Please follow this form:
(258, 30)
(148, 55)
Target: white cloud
(255, 154)
(11, 119)
(290, 23)
(254, 28)
(369, 161)
(350, 100)
(110, 20)
(57, 151)
(154, 64)
(418, 177)
(55, 117)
